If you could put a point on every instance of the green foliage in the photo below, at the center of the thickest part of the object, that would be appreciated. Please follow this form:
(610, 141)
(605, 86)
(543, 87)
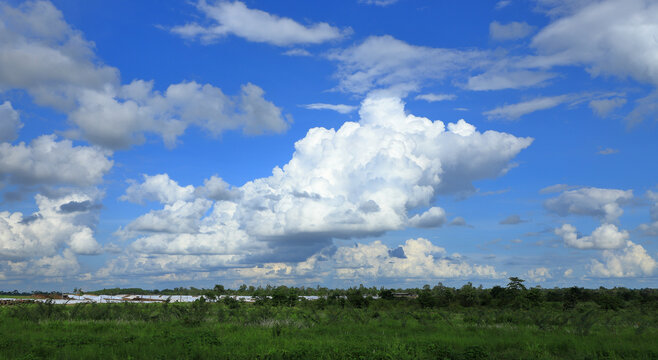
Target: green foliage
(508, 322)
(380, 329)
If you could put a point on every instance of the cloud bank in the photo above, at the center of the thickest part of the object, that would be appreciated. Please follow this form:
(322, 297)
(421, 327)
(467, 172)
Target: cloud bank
(360, 180)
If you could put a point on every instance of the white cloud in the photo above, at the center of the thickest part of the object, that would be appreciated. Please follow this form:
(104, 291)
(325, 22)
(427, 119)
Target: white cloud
(120, 119)
(557, 188)
(158, 188)
(614, 37)
(10, 122)
(607, 151)
(434, 217)
(422, 260)
(461, 128)
(498, 78)
(512, 220)
(503, 4)
(458, 221)
(515, 111)
(385, 62)
(539, 274)
(603, 107)
(556, 8)
(180, 217)
(297, 52)
(378, 2)
(360, 180)
(436, 97)
(646, 107)
(340, 108)
(235, 18)
(511, 31)
(568, 272)
(59, 266)
(217, 189)
(589, 201)
(46, 243)
(631, 261)
(48, 161)
(41, 53)
(415, 259)
(606, 236)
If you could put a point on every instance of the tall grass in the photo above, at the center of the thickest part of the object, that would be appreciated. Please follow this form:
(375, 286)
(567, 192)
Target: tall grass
(315, 330)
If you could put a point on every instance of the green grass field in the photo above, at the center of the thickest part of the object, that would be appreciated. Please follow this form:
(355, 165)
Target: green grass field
(383, 329)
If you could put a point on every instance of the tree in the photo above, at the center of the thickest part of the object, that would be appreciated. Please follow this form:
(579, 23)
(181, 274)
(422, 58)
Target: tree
(516, 284)
(468, 295)
(219, 289)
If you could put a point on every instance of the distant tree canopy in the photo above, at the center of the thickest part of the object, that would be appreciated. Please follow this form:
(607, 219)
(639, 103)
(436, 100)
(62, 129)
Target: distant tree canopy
(514, 295)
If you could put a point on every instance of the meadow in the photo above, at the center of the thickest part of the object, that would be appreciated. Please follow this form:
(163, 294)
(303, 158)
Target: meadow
(440, 323)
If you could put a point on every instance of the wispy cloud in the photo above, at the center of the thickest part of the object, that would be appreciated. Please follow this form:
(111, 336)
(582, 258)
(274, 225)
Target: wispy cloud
(502, 4)
(297, 52)
(235, 18)
(436, 97)
(378, 2)
(512, 220)
(515, 111)
(607, 151)
(340, 108)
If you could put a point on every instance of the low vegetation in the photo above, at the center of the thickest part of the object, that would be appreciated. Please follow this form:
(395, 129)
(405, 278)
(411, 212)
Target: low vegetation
(438, 322)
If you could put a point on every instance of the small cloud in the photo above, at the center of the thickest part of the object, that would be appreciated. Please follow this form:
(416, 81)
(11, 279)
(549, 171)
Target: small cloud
(603, 107)
(607, 151)
(459, 221)
(502, 4)
(516, 241)
(511, 31)
(378, 2)
(78, 206)
(340, 108)
(505, 79)
(539, 274)
(436, 97)
(434, 217)
(568, 273)
(235, 18)
(512, 220)
(461, 109)
(557, 188)
(297, 52)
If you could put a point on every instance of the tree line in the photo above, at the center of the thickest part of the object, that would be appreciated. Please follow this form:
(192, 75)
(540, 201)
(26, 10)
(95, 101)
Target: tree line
(514, 294)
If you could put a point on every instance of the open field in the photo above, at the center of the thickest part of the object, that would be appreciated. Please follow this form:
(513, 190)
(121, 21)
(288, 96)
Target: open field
(332, 328)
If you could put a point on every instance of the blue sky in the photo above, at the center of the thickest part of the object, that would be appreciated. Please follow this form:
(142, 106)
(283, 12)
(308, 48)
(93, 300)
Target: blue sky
(385, 143)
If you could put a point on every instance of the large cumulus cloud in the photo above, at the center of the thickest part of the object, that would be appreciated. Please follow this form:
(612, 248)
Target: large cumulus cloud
(417, 259)
(48, 161)
(47, 242)
(360, 180)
